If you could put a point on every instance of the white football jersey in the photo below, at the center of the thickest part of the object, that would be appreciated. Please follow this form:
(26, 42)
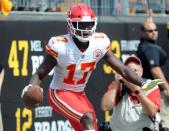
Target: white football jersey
(74, 67)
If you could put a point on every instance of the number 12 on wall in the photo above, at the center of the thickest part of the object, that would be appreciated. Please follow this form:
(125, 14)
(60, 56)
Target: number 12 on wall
(25, 114)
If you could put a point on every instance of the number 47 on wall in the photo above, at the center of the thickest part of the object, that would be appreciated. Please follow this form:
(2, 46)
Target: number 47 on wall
(13, 59)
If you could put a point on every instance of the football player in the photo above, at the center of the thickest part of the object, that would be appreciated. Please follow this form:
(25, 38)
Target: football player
(74, 56)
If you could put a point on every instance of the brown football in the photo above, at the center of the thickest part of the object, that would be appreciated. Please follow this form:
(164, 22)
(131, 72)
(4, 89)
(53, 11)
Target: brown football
(33, 97)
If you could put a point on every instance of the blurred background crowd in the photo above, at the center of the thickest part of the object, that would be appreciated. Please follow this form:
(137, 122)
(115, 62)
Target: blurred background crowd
(101, 7)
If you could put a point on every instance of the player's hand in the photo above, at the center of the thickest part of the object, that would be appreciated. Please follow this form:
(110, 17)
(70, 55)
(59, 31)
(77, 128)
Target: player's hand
(32, 96)
(25, 89)
(149, 84)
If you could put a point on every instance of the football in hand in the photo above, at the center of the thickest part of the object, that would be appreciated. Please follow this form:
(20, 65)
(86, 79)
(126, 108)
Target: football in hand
(33, 97)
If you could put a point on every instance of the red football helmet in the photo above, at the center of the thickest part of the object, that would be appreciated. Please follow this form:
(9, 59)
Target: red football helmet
(82, 22)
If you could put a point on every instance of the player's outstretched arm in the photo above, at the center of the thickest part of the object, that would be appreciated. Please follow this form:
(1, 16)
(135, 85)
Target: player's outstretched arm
(32, 94)
(123, 70)
(43, 70)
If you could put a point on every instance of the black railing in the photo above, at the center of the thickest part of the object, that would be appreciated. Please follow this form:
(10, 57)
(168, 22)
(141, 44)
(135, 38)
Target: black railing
(101, 7)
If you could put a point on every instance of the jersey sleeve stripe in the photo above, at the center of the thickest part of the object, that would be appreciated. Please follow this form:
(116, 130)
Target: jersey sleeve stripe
(108, 47)
(51, 51)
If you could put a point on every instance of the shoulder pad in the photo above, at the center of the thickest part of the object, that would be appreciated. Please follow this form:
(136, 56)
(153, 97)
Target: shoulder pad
(54, 45)
(100, 35)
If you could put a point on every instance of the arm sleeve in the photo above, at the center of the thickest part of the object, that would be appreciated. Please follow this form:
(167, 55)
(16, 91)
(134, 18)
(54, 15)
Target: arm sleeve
(51, 49)
(107, 41)
(154, 96)
(110, 87)
(152, 57)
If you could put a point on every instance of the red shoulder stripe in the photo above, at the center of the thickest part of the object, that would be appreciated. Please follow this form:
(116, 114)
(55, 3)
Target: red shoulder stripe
(108, 47)
(61, 39)
(51, 51)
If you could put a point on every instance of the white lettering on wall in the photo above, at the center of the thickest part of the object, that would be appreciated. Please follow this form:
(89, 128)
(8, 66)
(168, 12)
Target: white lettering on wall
(59, 125)
(36, 45)
(129, 45)
(36, 61)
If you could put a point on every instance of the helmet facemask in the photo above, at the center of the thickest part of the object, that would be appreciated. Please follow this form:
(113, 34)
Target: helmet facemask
(83, 30)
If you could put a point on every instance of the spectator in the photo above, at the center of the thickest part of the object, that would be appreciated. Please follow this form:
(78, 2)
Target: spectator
(1, 81)
(134, 108)
(155, 64)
